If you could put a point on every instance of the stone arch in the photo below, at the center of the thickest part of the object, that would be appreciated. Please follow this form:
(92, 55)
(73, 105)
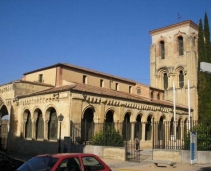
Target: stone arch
(87, 123)
(138, 126)
(51, 117)
(27, 117)
(176, 46)
(109, 116)
(163, 74)
(39, 124)
(148, 127)
(180, 73)
(179, 129)
(126, 128)
(160, 134)
(158, 48)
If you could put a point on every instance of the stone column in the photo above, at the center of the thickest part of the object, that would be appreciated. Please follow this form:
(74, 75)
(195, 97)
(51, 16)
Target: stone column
(143, 130)
(132, 131)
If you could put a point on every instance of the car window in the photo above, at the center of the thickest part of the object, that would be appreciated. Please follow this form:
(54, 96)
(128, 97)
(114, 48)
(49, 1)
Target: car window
(38, 163)
(92, 164)
(69, 164)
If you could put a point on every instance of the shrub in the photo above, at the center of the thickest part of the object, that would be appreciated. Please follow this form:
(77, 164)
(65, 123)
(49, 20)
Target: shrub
(108, 137)
(203, 137)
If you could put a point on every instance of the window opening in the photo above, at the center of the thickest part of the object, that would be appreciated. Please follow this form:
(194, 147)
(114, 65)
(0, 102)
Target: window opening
(181, 79)
(84, 79)
(40, 79)
(130, 89)
(101, 83)
(162, 49)
(180, 45)
(165, 80)
(117, 86)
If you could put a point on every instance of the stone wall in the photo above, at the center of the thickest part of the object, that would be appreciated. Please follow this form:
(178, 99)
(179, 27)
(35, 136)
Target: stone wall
(181, 156)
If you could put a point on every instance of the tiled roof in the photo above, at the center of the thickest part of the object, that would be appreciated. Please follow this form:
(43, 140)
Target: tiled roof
(88, 89)
(82, 69)
(187, 22)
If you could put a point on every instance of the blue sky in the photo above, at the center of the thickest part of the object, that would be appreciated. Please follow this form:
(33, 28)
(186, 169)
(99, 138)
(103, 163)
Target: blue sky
(110, 36)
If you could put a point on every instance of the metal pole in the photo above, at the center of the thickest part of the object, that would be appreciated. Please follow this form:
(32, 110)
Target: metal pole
(59, 148)
(174, 114)
(189, 105)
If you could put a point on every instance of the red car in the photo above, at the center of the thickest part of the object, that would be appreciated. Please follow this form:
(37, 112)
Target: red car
(65, 162)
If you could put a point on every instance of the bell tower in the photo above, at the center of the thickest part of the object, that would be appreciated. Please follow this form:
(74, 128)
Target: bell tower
(174, 59)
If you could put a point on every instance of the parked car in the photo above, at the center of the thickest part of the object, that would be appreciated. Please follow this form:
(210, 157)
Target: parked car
(64, 162)
(8, 163)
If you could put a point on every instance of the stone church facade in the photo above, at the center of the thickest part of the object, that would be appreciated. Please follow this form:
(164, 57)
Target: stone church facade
(34, 102)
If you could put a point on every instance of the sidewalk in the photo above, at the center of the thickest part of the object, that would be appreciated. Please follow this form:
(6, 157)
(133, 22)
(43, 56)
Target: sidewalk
(147, 165)
(144, 165)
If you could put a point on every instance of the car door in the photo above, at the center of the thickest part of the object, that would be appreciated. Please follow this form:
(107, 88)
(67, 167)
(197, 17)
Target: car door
(69, 164)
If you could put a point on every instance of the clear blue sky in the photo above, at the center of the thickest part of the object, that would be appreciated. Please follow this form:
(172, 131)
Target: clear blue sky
(110, 36)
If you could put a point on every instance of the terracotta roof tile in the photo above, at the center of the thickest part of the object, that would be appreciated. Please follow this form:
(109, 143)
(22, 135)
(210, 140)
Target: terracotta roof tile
(79, 87)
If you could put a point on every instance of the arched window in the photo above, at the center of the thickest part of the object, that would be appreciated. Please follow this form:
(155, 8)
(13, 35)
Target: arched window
(181, 79)
(165, 81)
(180, 45)
(40, 127)
(162, 49)
(52, 126)
(28, 126)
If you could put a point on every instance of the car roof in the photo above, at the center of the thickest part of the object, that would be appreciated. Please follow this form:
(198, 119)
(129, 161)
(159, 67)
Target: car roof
(58, 155)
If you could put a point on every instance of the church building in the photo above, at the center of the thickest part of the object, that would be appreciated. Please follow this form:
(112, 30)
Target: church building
(36, 102)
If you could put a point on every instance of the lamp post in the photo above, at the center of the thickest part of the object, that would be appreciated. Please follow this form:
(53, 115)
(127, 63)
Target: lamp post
(60, 119)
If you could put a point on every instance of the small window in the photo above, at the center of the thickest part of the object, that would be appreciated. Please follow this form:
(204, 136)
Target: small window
(91, 163)
(40, 79)
(181, 79)
(117, 86)
(130, 89)
(162, 49)
(152, 95)
(101, 83)
(138, 91)
(84, 79)
(165, 81)
(180, 45)
(158, 96)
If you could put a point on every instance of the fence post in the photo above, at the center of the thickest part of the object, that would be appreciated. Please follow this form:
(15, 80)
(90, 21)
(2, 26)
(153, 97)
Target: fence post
(153, 133)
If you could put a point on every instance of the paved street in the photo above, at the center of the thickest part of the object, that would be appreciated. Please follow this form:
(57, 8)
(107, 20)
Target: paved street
(144, 165)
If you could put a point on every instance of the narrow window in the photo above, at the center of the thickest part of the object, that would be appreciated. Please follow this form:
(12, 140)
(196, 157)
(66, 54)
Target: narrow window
(101, 83)
(84, 79)
(110, 84)
(138, 91)
(158, 96)
(29, 126)
(165, 80)
(40, 79)
(162, 49)
(52, 127)
(130, 89)
(181, 79)
(117, 86)
(180, 45)
(152, 94)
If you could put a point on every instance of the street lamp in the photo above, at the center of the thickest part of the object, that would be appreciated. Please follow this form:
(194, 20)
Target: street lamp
(60, 119)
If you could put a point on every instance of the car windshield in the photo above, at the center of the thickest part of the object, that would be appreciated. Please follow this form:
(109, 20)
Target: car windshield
(39, 163)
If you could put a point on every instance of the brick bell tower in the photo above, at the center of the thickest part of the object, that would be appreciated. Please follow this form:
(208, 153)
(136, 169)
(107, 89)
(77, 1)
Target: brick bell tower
(174, 59)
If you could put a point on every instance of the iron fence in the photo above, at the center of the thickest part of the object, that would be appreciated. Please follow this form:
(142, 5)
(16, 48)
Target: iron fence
(161, 134)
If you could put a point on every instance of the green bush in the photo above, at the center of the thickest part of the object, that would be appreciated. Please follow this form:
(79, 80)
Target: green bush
(203, 137)
(108, 137)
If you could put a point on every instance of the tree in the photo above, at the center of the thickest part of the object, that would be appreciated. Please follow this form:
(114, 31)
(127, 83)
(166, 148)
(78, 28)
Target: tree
(204, 79)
